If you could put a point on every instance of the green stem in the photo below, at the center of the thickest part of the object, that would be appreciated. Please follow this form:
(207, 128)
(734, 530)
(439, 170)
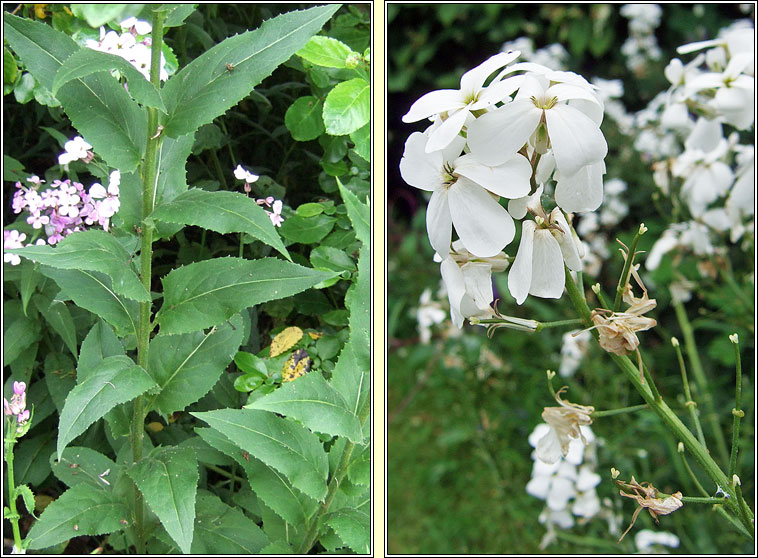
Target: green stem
(334, 483)
(668, 416)
(700, 379)
(692, 475)
(12, 495)
(149, 179)
(558, 323)
(689, 403)
(737, 411)
(620, 411)
(624, 279)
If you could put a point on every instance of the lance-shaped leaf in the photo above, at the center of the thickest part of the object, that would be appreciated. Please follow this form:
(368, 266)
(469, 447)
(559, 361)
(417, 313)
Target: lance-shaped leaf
(187, 366)
(88, 61)
(81, 510)
(115, 380)
(223, 212)
(269, 485)
(223, 530)
(284, 445)
(85, 466)
(208, 293)
(168, 481)
(101, 342)
(351, 380)
(206, 88)
(358, 212)
(92, 291)
(353, 527)
(316, 404)
(91, 250)
(98, 106)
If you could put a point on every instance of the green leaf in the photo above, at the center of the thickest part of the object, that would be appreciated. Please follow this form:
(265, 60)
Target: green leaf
(351, 380)
(177, 13)
(347, 107)
(168, 481)
(208, 293)
(58, 316)
(315, 403)
(362, 140)
(307, 230)
(353, 527)
(30, 457)
(118, 132)
(358, 213)
(187, 366)
(358, 301)
(30, 278)
(303, 119)
(115, 380)
(223, 212)
(80, 465)
(88, 61)
(81, 510)
(223, 530)
(205, 88)
(326, 51)
(27, 496)
(91, 250)
(99, 14)
(92, 291)
(267, 483)
(18, 333)
(282, 444)
(101, 342)
(10, 68)
(333, 259)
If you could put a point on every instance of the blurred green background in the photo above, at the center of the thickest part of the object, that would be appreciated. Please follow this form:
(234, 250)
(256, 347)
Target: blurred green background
(461, 407)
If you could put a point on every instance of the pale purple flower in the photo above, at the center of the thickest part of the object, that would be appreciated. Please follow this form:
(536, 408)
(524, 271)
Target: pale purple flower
(75, 149)
(13, 239)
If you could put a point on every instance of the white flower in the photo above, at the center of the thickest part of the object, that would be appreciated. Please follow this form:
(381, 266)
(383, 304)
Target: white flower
(538, 268)
(574, 346)
(646, 540)
(457, 104)
(573, 130)
(140, 27)
(429, 312)
(242, 174)
(75, 149)
(468, 281)
(460, 197)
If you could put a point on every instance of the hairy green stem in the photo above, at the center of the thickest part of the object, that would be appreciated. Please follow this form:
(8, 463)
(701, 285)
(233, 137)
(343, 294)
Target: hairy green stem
(700, 379)
(339, 474)
(149, 179)
(12, 494)
(668, 416)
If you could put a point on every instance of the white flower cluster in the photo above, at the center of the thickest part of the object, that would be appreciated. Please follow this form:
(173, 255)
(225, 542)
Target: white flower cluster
(506, 139)
(641, 46)
(568, 485)
(131, 44)
(683, 133)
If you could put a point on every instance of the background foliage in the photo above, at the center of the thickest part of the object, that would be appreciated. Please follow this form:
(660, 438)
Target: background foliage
(460, 408)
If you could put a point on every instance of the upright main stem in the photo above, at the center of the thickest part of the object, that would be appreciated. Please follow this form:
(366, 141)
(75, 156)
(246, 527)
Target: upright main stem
(149, 177)
(664, 411)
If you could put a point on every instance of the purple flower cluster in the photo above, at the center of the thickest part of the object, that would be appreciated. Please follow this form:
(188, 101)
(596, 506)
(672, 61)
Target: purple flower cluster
(65, 207)
(276, 206)
(17, 405)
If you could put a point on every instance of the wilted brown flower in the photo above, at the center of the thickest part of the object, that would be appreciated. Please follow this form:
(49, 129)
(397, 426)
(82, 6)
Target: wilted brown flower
(646, 497)
(564, 423)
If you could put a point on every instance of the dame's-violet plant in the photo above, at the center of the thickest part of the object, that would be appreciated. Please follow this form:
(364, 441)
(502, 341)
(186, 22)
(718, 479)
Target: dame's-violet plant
(551, 121)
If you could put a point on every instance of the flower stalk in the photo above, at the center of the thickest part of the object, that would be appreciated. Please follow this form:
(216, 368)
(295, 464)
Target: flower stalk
(737, 412)
(149, 181)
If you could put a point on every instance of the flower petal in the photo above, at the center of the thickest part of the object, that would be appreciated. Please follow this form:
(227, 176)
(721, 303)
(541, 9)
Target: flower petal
(473, 80)
(456, 288)
(548, 277)
(419, 168)
(568, 247)
(446, 132)
(510, 179)
(439, 225)
(520, 274)
(483, 225)
(496, 136)
(582, 191)
(478, 277)
(434, 102)
(576, 140)
(549, 448)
